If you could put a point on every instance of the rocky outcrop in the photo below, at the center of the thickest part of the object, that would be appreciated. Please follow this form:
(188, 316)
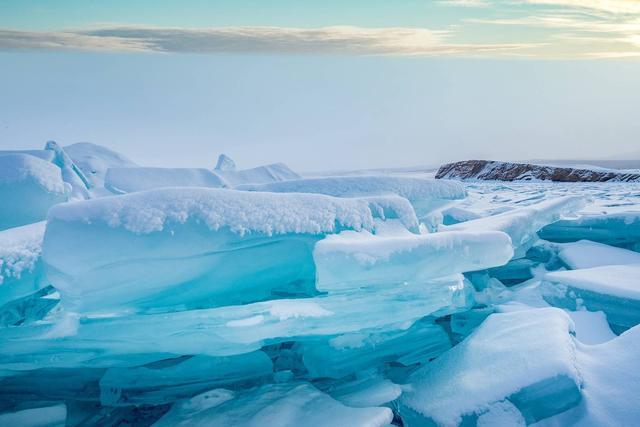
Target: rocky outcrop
(505, 171)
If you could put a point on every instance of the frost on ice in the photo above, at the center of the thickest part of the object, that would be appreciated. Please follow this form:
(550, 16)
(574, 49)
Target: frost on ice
(132, 295)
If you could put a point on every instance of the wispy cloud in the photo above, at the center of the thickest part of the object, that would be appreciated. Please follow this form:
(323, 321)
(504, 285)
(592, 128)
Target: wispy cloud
(610, 6)
(327, 40)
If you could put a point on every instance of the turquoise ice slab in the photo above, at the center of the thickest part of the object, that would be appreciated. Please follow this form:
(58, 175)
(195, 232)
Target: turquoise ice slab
(283, 405)
(527, 357)
(347, 354)
(161, 382)
(221, 331)
(613, 289)
(181, 248)
(618, 229)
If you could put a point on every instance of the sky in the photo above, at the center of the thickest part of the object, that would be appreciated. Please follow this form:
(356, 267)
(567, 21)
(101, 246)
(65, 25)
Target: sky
(323, 85)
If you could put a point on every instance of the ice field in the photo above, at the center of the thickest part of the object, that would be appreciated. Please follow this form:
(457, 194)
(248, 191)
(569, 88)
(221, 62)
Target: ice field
(133, 295)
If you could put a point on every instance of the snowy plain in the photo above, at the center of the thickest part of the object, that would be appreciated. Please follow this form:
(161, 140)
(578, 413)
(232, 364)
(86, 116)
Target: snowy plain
(155, 296)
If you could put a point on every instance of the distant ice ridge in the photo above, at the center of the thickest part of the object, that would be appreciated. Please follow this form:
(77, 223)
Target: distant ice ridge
(426, 195)
(129, 180)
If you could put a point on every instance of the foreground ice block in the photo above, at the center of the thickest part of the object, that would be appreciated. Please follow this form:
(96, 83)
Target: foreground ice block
(527, 358)
(223, 331)
(619, 229)
(20, 264)
(613, 289)
(191, 247)
(284, 405)
(29, 186)
(355, 259)
(129, 180)
(426, 195)
(523, 223)
(169, 380)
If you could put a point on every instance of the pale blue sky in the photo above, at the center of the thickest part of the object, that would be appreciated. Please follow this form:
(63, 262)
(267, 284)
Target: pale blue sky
(398, 84)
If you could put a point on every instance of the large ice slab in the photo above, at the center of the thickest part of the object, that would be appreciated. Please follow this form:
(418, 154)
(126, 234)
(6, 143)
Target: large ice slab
(29, 186)
(426, 195)
(129, 180)
(221, 331)
(20, 264)
(523, 223)
(285, 405)
(191, 247)
(614, 289)
(49, 416)
(355, 259)
(587, 254)
(525, 357)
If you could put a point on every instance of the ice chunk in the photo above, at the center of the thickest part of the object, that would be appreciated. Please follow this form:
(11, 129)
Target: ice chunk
(29, 186)
(527, 357)
(371, 390)
(614, 289)
(226, 330)
(276, 405)
(46, 155)
(586, 254)
(523, 223)
(426, 195)
(619, 229)
(225, 163)
(129, 180)
(20, 264)
(50, 416)
(94, 161)
(261, 174)
(346, 354)
(157, 384)
(501, 414)
(354, 259)
(591, 327)
(190, 246)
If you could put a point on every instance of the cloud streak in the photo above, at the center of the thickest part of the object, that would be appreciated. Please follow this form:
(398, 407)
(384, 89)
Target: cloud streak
(348, 40)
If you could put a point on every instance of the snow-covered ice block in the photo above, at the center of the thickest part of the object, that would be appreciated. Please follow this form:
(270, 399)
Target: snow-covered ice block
(346, 354)
(129, 180)
(356, 259)
(222, 331)
(49, 416)
(29, 186)
(169, 380)
(523, 223)
(619, 229)
(587, 254)
(426, 195)
(613, 289)
(46, 155)
(284, 405)
(94, 161)
(71, 173)
(526, 357)
(20, 264)
(191, 247)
